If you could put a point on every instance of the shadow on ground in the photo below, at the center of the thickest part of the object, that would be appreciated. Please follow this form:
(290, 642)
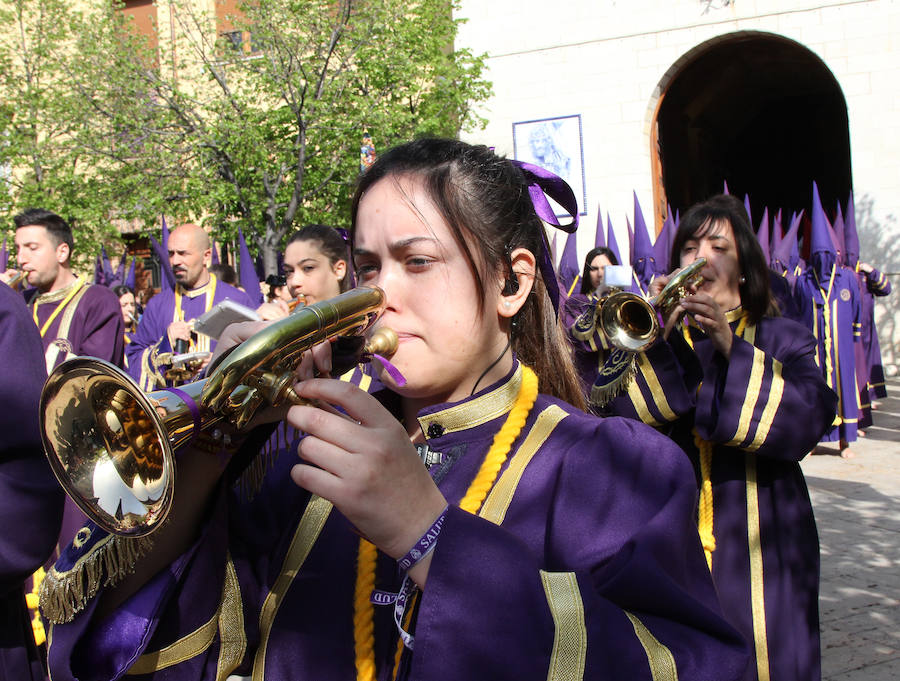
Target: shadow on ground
(859, 533)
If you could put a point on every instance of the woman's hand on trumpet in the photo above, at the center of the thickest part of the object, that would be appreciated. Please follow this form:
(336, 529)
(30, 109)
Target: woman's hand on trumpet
(710, 317)
(314, 362)
(656, 286)
(361, 459)
(275, 309)
(702, 308)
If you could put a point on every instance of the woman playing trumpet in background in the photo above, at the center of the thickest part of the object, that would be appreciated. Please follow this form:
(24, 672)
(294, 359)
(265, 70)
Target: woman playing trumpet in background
(738, 388)
(315, 268)
(535, 538)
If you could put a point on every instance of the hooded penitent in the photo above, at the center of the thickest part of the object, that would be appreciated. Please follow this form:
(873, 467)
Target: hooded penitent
(822, 253)
(642, 257)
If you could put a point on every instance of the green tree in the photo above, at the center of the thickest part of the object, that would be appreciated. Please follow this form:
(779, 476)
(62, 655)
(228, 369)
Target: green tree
(260, 127)
(39, 165)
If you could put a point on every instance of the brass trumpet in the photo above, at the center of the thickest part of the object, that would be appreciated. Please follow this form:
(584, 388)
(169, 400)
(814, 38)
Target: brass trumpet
(112, 446)
(17, 279)
(631, 322)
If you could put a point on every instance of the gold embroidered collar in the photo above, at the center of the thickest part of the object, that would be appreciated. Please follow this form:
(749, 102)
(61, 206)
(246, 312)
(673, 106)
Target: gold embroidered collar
(58, 294)
(478, 410)
(194, 292)
(735, 314)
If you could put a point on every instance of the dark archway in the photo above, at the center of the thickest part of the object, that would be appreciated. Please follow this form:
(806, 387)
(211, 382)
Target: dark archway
(756, 110)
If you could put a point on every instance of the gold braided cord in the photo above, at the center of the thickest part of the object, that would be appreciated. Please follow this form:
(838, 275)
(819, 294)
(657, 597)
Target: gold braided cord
(705, 450)
(705, 507)
(502, 444)
(364, 611)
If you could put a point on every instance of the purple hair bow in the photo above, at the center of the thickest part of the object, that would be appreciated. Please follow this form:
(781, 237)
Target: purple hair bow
(541, 184)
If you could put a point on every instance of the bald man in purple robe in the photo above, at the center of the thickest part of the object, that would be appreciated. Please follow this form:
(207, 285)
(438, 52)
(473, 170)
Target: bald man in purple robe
(166, 322)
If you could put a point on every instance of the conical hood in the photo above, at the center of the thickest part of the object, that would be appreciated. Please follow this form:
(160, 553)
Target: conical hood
(851, 238)
(663, 244)
(599, 236)
(837, 232)
(820, 237)
(129, 277)
(793, 243)
(167, 277)
(611, 242)
(569, 268)
(642, 258)
(762, 235)
(247, 271)
(822, 253)
(747, 208)
(777, 237)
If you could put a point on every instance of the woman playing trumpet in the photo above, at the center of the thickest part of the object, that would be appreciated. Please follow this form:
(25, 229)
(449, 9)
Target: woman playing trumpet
(315, 268)
(465, 524)
(738, 388)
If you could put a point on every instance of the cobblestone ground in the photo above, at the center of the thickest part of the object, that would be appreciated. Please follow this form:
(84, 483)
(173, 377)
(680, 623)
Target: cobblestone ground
(857, 507)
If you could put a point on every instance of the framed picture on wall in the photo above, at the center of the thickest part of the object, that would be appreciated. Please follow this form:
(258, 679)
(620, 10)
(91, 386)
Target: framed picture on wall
(554, 144)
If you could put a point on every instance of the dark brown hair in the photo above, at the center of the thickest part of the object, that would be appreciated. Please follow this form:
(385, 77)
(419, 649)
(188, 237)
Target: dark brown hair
(756, 297)
(330, 242)
(485, 202)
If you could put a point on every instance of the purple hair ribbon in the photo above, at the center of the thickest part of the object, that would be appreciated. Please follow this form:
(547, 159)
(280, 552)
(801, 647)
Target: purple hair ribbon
(541, 184)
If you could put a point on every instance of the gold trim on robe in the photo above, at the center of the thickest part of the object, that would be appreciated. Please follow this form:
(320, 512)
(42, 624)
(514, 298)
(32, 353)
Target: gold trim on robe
(474, 413)
(662, 663)
(567, 660)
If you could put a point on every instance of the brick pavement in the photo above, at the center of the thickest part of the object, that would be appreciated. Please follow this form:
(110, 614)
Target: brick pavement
(857, 508)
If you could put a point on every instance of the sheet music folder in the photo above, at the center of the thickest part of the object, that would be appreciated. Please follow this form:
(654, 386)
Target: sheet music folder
(222, 314)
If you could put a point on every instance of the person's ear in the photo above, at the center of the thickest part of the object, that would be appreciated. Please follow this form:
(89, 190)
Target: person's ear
(517, 282)
(62, 253)
(340, 269)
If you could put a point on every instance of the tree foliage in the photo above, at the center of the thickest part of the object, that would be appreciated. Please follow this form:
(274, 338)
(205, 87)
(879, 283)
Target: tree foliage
(257, 127)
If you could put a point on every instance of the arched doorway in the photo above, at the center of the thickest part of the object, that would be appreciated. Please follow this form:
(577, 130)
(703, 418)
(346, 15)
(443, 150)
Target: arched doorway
(755, 110)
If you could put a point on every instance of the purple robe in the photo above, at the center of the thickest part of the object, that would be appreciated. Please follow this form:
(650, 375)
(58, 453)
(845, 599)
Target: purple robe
(590, 352)
(870, 372)
(151, 338)
(831, 309)
(86, 321)
(784, 295)
(583, 556)
(765, 561)
(90, 324)
(31, 498)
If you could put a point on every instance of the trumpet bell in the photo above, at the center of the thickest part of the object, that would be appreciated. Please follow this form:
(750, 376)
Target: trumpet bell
(628, 321)
(106, 446)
